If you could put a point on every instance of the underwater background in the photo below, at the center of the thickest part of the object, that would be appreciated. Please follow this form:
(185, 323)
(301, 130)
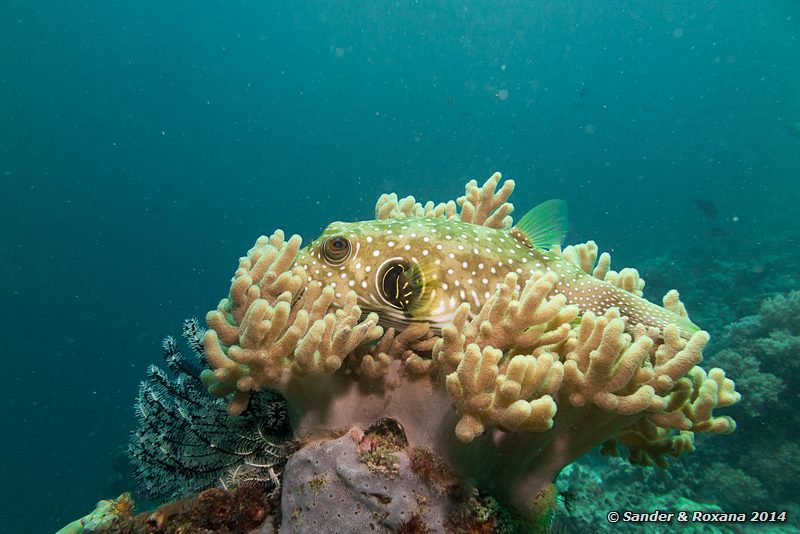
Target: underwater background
(145, 145)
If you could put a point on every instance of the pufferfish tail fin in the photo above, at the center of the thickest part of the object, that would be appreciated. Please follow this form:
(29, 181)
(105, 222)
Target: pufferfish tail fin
(686, 327)
(544, 226)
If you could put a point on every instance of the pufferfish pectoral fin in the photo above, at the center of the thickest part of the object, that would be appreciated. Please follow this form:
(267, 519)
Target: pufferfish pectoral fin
(544, 226)
(422, 283)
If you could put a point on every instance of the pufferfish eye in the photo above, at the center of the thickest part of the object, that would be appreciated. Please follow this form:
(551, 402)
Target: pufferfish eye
(336, 249)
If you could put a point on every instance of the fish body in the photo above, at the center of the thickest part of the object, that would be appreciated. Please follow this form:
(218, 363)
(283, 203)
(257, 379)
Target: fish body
(421, 269)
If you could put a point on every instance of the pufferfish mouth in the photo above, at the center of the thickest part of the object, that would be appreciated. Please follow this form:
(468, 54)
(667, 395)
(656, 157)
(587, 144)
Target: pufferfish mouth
(299, 295)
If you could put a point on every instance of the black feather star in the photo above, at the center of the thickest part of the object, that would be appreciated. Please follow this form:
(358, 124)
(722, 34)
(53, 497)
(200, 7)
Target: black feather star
(186, 441)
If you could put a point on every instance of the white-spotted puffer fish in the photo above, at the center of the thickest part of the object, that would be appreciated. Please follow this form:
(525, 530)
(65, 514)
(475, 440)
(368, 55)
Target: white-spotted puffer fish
(421, 269)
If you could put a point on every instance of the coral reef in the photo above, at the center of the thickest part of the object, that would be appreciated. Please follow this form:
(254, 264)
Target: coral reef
(724, 284)
(589, 492)
(523, 381)
(109, 516)
(247, 508)
(756, 471)
(762, 349)
(366, 480)
(760, 388)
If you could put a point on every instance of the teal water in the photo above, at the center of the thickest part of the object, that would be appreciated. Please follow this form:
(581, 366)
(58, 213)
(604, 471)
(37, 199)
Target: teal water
(144, 147)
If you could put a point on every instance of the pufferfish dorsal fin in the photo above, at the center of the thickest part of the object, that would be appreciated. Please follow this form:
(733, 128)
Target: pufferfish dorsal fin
(544, 226)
